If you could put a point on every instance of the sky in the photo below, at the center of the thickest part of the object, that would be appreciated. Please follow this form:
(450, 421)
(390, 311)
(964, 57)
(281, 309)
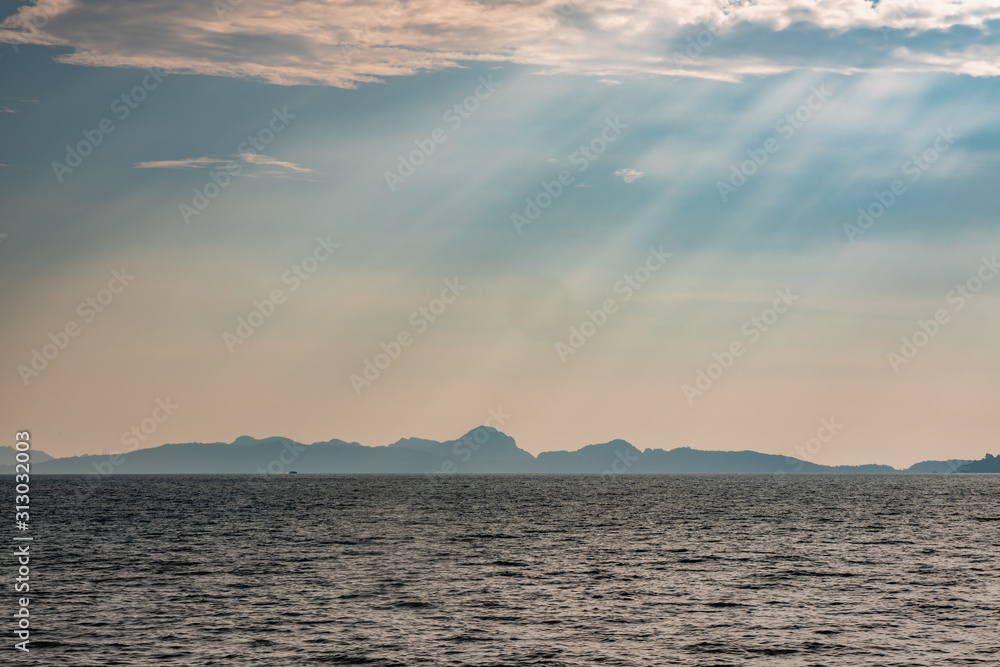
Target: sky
(722, 225)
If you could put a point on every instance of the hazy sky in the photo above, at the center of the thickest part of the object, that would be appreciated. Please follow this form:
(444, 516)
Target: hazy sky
(455, 186)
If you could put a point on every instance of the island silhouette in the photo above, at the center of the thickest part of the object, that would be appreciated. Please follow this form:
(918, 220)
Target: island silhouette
(482, 450)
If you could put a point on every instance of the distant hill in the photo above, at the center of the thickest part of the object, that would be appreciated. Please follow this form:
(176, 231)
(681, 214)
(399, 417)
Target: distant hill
(616, 456)
(685, 459)
(7, 454)
(951, 465)
(482, 450)
(989, 463)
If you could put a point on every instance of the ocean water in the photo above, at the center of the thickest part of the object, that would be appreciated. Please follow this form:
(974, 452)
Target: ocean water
(514, 570)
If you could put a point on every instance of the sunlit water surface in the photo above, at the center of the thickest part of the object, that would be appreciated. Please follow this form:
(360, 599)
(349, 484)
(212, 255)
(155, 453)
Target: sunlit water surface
(515, 570)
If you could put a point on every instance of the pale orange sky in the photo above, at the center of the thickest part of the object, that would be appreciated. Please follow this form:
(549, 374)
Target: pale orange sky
(545, 156)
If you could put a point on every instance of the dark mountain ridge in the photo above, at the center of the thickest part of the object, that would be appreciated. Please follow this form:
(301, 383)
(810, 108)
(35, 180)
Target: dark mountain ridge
(482, 450)
(989, 463)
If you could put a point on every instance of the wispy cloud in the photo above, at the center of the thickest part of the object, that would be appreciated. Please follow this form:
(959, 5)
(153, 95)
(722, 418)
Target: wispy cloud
(11, 109)
(344, 42)
(630, 175)
(189, 163)
(256, 158)
(284, 169)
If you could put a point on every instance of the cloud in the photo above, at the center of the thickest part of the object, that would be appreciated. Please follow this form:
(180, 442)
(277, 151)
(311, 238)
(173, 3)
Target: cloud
(11, 109)
(285, 169)
(344, 42)
(189, 163)
(630, 175)
(256, 158)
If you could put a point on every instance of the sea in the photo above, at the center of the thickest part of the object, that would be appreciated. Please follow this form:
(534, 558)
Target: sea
(396, 570)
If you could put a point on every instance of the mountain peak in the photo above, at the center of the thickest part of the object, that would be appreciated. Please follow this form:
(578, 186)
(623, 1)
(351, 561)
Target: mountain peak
(488, 434)
(483, 449)
(246, 440)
